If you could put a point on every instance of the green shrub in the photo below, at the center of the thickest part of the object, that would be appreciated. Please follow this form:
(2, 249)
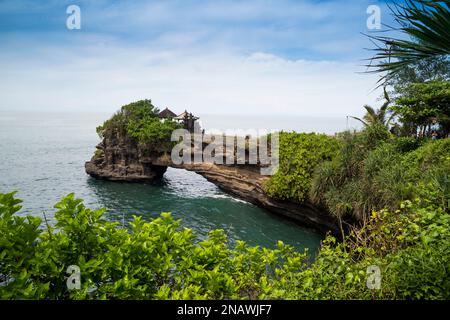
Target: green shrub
(161, 260)
(150, 260)
(339, 185)
(300, 153)
(431, 154)
(139, 121)
(411, 246)
(374, 135)
(406, 144)
(367, 175)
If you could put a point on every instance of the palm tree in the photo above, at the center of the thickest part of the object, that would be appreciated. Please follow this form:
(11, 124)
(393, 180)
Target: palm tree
(381, 116)
(427, 23)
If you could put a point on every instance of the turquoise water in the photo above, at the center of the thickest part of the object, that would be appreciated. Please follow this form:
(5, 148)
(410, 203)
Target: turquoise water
(42, 156)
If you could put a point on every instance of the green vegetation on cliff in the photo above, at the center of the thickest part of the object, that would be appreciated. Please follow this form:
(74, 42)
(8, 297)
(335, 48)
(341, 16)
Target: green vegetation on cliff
(139, 121)
(392, 195)
(364, 178)
(353, 174)
(300, 153)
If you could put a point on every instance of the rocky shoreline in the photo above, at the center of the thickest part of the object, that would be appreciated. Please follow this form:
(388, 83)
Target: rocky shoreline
(119, 158)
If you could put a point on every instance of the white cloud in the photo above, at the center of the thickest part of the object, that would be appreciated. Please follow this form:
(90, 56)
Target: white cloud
(222, 57)
(102, 78)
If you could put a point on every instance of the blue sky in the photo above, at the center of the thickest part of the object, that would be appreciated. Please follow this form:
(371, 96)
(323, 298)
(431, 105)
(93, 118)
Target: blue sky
(300, 57)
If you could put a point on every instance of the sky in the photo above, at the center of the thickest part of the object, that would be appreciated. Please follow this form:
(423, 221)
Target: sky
(283, 57)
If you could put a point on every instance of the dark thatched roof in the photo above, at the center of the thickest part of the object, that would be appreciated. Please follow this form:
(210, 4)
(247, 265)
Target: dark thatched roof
(166, 113)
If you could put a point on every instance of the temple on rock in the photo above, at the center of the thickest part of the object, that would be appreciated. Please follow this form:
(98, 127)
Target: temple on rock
(187, 119)
(167, 114)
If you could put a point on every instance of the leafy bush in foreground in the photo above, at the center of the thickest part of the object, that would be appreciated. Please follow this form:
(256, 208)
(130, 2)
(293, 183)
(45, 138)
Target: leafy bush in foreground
(161, 260)
(151, 260)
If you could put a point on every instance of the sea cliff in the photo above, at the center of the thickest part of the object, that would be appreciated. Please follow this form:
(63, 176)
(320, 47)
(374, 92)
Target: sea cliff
(121, 158)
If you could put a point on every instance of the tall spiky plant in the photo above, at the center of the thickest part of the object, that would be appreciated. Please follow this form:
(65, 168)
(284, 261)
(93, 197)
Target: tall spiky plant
(427, 23)
(380, 116)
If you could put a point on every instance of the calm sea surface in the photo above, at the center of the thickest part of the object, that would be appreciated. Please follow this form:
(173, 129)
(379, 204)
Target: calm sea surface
(42, 156)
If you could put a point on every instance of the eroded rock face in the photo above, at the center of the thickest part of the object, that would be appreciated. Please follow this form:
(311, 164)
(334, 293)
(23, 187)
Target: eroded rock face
(246, 183)
(120, 158)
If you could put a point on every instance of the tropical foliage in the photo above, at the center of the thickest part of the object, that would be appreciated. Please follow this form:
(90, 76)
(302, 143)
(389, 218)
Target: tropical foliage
(149, 260)
(367, 176)
(430, 69)
(426, 23)
(381, 116)
(410, 246)
(299, 154)
(392, 194)
(424, 107)
(161, 260)
(139, 121)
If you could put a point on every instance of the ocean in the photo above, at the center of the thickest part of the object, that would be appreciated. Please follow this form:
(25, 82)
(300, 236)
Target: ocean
(42, 157)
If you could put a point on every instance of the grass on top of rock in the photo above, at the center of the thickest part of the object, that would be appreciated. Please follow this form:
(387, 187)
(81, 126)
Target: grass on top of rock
(352, 174)
(361, 179)
(367, 176)
(140, 121)
(299, 154)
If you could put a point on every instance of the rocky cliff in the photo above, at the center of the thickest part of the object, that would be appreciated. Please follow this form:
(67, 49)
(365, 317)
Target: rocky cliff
(121, 159)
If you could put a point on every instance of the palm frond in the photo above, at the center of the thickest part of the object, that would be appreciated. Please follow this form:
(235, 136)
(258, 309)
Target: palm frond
(377, 116)
(427, 23)
(386, 104)
(369, 109)
(371, 114)
(386, 95)
(359, 119)
(391, 117)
